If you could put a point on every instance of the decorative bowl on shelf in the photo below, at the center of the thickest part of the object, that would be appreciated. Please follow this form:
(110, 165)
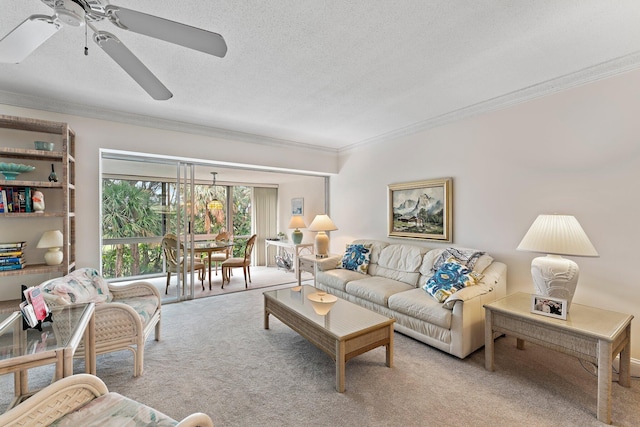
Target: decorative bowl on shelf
(44, 145)
(322, 302)
(11, 170)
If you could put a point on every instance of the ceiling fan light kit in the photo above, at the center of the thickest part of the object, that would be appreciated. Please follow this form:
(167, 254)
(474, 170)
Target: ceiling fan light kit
(70, 12)
(35, 30)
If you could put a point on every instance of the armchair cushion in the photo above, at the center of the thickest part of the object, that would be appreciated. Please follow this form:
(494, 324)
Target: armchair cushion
(114, 409)
(145, 306)
(80, 286)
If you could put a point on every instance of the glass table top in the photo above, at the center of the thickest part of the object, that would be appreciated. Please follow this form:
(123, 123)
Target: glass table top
(344, 318)
(54, 335)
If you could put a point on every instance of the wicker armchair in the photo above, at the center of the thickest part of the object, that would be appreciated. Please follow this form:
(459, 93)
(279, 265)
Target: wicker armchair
(125, 315)
(84, 399)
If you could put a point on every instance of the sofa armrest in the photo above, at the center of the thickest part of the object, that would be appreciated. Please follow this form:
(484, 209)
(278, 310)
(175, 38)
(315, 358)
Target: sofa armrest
(329, 263)
(494, 280)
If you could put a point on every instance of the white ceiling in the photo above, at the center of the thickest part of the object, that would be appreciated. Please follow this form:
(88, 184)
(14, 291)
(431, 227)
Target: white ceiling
(333, 73)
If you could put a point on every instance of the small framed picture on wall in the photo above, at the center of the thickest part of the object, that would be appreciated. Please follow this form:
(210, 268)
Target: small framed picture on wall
(297, 206)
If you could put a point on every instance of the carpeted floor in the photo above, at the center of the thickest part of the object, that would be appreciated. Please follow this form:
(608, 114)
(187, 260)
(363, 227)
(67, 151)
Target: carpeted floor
(215, 357)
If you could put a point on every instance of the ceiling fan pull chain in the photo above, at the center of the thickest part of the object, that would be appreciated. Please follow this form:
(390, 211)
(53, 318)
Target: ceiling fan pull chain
(86, 48)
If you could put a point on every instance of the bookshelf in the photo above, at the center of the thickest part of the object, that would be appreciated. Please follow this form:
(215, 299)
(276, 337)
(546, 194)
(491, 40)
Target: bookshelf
(16, 146)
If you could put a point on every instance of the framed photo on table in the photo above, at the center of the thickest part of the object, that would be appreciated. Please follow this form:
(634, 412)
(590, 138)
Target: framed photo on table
(549, 306)
(297, 206)
(421, 210)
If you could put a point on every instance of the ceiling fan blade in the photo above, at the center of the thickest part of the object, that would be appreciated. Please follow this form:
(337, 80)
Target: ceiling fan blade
(26, 37)
(170, 31)
(132, 65)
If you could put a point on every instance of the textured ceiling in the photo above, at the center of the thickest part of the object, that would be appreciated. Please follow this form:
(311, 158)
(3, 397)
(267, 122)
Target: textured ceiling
(329, 73)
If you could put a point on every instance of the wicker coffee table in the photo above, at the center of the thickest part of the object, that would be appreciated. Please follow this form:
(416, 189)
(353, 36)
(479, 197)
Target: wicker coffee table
(347, 331)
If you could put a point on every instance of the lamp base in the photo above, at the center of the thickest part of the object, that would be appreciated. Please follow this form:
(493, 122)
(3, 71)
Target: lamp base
(296, 236)
(555, 276)
(53, 256)
(321, 245)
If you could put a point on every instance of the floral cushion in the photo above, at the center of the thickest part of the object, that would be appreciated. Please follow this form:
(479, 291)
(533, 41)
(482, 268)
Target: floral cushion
(80, 286)
(356, 258)
(450, 277)
(113, 409)
(145, 306)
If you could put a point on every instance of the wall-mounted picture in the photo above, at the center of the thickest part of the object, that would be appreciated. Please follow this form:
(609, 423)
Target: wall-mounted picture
(421, 209)
(297, 206)
(549, 306)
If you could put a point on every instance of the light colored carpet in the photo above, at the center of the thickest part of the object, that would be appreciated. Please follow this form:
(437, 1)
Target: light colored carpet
(261, 277)
(215, 357)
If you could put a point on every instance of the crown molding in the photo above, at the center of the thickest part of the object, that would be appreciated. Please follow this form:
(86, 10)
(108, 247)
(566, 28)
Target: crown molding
(62, 107)
(584, 76)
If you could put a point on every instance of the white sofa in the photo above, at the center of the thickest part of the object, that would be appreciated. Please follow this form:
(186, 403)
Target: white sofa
(393, 286)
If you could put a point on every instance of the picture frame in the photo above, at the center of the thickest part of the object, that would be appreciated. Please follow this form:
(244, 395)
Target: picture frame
(549, 306)
(297, 206)
(421, 210)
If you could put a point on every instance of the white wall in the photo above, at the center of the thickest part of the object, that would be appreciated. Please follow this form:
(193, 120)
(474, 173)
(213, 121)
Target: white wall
(312, 190)
(92, 135)
(575, 152)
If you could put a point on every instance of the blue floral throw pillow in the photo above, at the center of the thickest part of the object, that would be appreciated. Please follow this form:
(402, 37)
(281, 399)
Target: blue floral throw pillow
(356, 258)
(450, 278)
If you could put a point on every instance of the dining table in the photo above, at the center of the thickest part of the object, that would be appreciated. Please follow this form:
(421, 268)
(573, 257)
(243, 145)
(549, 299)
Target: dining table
(209, 247)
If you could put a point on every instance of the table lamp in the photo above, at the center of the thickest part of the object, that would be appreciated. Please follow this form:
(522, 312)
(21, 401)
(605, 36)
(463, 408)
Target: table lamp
(556, 235)
(52, 240)
(297, 222)
(321, 224)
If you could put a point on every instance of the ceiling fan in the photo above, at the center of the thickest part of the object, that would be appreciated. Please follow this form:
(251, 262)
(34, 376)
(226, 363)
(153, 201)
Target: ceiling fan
(37, 29)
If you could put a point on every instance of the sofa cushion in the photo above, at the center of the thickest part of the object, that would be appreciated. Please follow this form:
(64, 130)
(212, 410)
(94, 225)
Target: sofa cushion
(473, 258)
(376, 247)
(356, 258)
(338, 278)
(81, 286)
(420, 305)
(450, 277)
(401, 263)
(376, 289)
(113, 409)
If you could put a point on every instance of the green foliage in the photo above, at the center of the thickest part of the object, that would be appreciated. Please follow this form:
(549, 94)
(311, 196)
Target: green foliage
(135, 209)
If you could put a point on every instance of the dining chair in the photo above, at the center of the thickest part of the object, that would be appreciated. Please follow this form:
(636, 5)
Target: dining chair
(243, 262)
(218, 257)
(169, 248)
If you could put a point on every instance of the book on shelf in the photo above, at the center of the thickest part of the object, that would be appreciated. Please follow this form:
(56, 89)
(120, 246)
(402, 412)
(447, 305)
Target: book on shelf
(16, 199)
(12, 245)
(11, 267)
(11, 260)
(10, 253)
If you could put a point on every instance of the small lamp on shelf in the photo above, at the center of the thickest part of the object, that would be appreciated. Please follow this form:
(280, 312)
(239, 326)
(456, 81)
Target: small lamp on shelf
(321, 224)
(556, 235)
(297, 222)
(52, 240)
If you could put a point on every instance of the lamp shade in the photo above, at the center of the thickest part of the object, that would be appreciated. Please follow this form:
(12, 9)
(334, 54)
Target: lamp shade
(297, 222)
(558, 235)
(322, 223)
(51, 239)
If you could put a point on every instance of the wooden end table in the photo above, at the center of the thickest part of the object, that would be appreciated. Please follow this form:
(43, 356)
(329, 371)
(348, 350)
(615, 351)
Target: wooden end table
(589, 333)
